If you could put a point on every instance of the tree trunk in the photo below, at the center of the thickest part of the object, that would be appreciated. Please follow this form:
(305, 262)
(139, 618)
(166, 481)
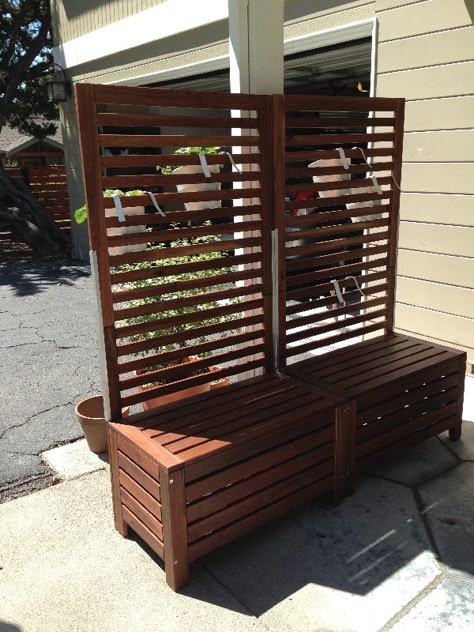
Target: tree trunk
(28, 221)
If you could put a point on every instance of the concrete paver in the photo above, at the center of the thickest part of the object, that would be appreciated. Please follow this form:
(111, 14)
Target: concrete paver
(418, 464)
(350, 567)
(464, 448)
(73, 460)
(449, 607)
(449, 508)
(65, 569)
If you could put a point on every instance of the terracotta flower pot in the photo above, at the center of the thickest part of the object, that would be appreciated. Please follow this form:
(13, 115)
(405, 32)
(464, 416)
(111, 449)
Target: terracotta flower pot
(220, 382)
(90, 414)
(187, 392)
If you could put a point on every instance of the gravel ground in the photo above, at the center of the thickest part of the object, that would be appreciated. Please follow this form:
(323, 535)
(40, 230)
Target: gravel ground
(48, 362)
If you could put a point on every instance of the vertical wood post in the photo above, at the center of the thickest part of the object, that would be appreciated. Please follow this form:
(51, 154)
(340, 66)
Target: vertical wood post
(395, 211)
(120, 524)
(456, 430)
(279, 129)
(175, 537)
(344, 474)
(90, 155)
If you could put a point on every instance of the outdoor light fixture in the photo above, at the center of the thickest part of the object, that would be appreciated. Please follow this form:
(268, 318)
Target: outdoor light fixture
(59, 90)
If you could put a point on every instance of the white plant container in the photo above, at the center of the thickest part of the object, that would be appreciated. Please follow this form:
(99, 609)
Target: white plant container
(198, 187)
(128, 211)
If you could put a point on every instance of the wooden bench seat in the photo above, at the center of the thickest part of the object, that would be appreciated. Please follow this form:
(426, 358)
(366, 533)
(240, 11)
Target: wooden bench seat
(202, 472)
(406, 390)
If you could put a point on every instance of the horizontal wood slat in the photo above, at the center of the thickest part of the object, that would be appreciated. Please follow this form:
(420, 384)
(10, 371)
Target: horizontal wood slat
(175, 140)
(120, 119)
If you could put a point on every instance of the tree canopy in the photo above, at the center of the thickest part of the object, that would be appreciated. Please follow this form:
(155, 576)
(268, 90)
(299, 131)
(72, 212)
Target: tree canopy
(25, 65)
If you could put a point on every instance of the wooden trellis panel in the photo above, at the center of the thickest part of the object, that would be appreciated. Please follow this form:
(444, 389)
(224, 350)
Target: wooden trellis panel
(342, 235)
(219, 255)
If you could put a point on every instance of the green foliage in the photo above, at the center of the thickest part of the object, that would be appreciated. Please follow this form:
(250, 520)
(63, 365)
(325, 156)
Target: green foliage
(80, 214)
(26, 66)
(180, 291)
(188, 150)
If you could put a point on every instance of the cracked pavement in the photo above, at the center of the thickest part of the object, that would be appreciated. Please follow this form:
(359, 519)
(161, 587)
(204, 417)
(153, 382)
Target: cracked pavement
(48, 362)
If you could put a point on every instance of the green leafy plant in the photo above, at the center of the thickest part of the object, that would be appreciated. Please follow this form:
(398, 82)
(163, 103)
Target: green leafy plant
(80, 214)
(180, 293)
(188, 150)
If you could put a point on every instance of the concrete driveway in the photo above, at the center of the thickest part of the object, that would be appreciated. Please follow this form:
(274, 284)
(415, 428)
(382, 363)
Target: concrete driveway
(48, 362)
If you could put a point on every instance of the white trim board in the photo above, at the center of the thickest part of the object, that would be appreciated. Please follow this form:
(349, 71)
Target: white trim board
(313, 41)
(178, 16)
(161, 21)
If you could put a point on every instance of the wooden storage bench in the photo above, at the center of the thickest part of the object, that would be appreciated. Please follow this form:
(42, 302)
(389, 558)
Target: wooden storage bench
(405, 390)
(200, 473)
(337, 274)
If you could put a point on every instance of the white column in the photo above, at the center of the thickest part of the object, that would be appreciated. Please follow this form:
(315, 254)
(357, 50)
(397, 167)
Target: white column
(256, 46)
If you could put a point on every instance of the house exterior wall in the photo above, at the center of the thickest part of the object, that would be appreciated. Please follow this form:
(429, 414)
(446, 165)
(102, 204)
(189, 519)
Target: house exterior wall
(73, 18)
(425, 52)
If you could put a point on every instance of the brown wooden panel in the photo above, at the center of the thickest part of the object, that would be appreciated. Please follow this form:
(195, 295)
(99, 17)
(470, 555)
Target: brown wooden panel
(151, 180)
(305, 172)
(201, 496)
(403, 397)
(339, 104)
(139, 475)
(415, 409)
(197, 332)
(144, 532)
(185, 319)
(260, 499)
(176, 140)
(176, 98)
(241, 490)
(141, 495)
(168, 120)
(142, 513)
(417, 424)
(261, 516)
(138, 456)
(341, 122)
(330, 340)
(337, 139)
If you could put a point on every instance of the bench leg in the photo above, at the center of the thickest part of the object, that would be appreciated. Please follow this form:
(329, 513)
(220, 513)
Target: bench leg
(120, 524)
(175, 537)
(456, 429)
(344, 478)
(455, 432)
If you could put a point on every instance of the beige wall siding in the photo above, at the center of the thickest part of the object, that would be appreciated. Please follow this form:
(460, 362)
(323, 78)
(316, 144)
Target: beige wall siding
(439, 146)
(446, 269)
(437, 208)
(436, 296)
(440, 114)
(419, 18)
(73, 18)
(426, 54)
(427, 50)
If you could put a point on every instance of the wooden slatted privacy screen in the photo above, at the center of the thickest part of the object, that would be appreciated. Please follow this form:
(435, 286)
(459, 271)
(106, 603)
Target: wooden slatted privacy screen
(49, 187)
(194, 283)
(337, 227)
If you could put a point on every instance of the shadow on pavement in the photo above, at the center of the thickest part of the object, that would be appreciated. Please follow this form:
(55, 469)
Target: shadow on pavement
(27, 279)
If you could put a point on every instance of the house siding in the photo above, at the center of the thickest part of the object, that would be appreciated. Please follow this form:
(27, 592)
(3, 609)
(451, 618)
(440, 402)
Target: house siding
(426, 54)
(73, 18)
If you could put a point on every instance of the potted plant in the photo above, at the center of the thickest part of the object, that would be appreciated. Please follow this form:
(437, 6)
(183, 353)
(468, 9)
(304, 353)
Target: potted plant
(193, 169)
(176, 295)
(80, 215)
